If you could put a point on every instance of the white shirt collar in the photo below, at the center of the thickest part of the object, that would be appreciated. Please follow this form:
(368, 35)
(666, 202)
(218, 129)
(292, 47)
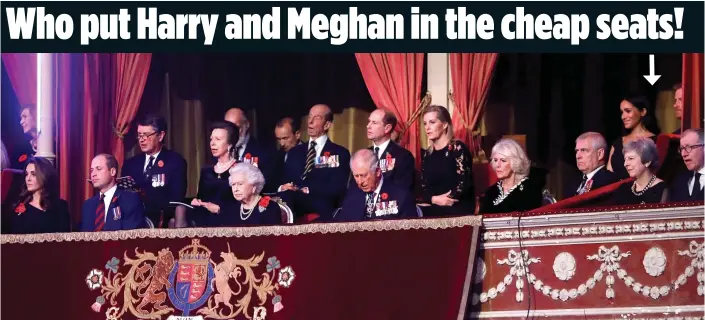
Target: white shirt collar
(108, 198)
(320, 142)
(379, 186)
(241, 150)
(702, 171)
(146, 159)
(382, 147)
(592, 174)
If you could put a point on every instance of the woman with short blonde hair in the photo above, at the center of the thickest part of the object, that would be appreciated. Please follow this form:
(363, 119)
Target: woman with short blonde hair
(514, 191)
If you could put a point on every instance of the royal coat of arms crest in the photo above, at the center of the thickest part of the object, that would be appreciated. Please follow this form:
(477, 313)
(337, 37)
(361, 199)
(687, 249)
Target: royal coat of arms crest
(189, 282)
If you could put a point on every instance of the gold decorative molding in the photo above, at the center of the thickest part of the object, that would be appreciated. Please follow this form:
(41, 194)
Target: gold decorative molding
(245, 232)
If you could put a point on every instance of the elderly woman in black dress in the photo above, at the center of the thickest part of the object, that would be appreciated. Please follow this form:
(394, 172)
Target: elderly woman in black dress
(514, 191)
(446, 168)
(39, 209)
(213, 186)
(249, 206)
(641, 162)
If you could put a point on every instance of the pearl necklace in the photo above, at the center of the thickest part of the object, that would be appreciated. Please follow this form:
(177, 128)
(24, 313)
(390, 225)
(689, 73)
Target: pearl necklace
(648, 185)
(246, 215)
(223, 168)
(503, 195)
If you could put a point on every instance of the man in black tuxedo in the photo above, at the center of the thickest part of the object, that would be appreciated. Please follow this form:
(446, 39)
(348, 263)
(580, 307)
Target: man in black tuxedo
(317, 172)
(288, 136)
(396, 163)
(249, 150)
(112, 208)
(374, 197)
(159, 172)
(590, 151)
(678, 105)
(689, 185)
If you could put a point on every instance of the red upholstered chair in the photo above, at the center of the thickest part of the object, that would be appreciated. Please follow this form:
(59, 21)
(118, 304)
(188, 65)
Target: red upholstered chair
(308, 218)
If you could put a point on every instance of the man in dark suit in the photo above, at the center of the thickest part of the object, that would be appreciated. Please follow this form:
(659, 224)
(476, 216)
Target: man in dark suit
(689, 185)
(288, 136)
(159, 172)
(396, 163)
(374, 197)
(113, 208)
(678, 105)
(250, 151)
(590, 151)
(316, 173)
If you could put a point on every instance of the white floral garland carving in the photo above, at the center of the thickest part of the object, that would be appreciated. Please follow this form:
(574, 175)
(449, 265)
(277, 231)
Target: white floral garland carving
(685, 225)
(654, 262)
(610, 259)
(564, 266)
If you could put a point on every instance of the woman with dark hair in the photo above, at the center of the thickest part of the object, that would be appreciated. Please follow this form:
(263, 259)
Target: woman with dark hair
(39, 209)
(213, 185)
(446, 168)
(639, 122)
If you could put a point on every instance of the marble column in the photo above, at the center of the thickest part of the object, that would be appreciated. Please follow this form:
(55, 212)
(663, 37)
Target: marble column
(45, 102)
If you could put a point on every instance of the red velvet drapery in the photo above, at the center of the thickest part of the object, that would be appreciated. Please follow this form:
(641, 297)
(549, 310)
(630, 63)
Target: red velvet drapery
(22, 70)
(130, 79)
(471, 74)
(692, 90)
(394, 82)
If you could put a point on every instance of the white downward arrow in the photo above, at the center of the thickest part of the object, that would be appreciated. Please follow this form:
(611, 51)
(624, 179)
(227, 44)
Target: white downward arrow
(651, 77)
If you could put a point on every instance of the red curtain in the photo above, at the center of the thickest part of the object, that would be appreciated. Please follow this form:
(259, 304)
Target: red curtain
(471, 74)
(131, 77)
(22, 70)
(692, 90)
(394, 82)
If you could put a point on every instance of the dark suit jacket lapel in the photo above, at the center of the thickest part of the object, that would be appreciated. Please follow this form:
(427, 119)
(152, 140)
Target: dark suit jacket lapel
(114, 203)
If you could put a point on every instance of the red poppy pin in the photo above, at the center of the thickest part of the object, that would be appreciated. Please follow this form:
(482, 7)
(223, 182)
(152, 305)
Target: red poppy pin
(160, 163)
(114, 200)
(20, 208)
(389, 156)
(22, 158)
(326, 154)
(385, 196)
(450, 147)
(264, 202)
(248, 156)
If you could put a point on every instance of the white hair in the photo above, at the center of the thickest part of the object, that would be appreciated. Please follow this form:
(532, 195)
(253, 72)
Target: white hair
(367, 156)
(252, 175)
(597, 140)
(518, 160)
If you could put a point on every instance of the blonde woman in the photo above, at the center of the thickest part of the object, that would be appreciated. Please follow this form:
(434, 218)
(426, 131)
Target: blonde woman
(514, 191)
(446, 168)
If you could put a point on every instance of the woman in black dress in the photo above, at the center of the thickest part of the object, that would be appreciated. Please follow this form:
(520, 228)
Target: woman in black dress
(248, 206)
(446, 168)
(39, 209)
(639, 122)
(514, 191)
(213, 186)
(641, 161)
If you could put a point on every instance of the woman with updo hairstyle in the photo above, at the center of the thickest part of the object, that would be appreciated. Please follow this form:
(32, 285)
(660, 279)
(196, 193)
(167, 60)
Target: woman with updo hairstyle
(446, 168)
(39, 209)
(213, 184)
(638, 122)
(514, 191)
(641, 163)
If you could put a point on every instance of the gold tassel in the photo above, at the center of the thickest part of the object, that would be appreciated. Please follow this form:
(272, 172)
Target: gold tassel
(425, 102)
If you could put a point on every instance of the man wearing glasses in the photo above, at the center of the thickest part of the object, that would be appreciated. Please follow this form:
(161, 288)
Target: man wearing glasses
(159, 172)
(689, 185)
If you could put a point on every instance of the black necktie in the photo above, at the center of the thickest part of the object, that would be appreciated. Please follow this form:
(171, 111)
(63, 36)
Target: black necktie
(310, 157)
(696, 184)
(148, 170)
(370, 204)
(581, 189)
(377, 152)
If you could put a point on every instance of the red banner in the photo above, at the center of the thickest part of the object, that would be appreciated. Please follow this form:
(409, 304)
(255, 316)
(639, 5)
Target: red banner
(414, 269)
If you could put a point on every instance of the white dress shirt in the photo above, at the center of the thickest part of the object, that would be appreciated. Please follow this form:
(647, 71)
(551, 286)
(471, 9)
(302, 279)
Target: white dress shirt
(320, 141)
(382, 147)
(146, 160)
(691, 182)
(108, 197)
(241, 149)
(592, 174)
(375, 195)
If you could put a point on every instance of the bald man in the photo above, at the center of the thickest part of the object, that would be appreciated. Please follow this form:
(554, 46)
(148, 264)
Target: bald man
(250, 151)
(316, 173)
(374, 197)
